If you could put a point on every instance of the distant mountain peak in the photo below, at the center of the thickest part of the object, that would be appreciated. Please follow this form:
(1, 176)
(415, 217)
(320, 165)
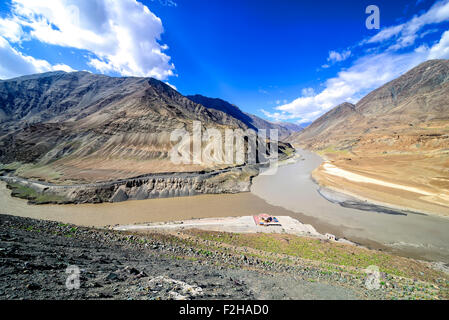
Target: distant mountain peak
(250, 120)
(418, 96)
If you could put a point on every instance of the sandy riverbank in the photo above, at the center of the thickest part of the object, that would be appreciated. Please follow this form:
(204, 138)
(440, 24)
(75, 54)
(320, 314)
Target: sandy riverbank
(380, 188)
(289, 192)
(153, 210)
(402, 231)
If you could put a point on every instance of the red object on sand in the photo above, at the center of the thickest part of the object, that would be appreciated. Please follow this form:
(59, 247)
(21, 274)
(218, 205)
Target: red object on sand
(262, 220)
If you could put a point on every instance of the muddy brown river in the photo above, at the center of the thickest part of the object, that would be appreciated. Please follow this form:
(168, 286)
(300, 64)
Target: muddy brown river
(417, 235)
(290, 191)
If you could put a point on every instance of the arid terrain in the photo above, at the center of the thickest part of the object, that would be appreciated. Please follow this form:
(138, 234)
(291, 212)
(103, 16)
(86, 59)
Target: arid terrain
(34, 256)
(236, 151)
(393, 145)
(79, 137)
(80, 127)
(82, 138)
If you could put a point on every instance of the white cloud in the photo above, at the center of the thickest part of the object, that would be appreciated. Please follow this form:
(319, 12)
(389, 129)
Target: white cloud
(386, 34)
(122, 36)
(62, 67)
(166, 3)
(285, 116)
(10, 29)
(308, 92)
(350, 85)
(277, 116)
(14, 63)
(370, 71)
(408, 32)
(335, 56)
(441, 49)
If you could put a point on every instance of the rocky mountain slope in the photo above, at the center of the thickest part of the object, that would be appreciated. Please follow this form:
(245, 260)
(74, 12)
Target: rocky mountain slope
(398, 134)
(293, 126)
(250, 120)
(80, 127)
(416, 100)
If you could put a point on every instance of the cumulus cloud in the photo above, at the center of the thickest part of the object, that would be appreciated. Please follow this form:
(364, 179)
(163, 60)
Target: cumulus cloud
(350, 85)
(407, 33)
(335, 56)
(369, 71)
(308, 92)
(14, 63)
(10, 29)
(285, 116)
(441, 49)
(120, 36)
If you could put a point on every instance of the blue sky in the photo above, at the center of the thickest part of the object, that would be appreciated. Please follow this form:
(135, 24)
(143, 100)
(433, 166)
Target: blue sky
(282, 60)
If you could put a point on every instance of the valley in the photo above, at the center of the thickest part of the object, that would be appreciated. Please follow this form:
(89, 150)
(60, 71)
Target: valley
(224, 150)
(94, 151)
(392, 146)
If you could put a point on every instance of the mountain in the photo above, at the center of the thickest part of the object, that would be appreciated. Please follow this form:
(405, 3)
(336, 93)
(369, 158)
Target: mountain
(396, 139)
(81, 127)
(293, 126)
(250, 120)
(406, 104)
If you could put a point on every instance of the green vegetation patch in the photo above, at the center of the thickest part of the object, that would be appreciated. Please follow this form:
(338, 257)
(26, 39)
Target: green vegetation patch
(332, 150)
(326, 252)
(25, 192)
(289, 152)
(10, 166)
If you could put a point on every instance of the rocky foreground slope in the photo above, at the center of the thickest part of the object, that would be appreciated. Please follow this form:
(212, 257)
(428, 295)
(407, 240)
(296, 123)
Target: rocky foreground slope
(398, 134)
(35, 255)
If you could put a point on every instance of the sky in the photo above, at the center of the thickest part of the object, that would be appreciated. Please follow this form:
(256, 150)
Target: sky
(281, 60)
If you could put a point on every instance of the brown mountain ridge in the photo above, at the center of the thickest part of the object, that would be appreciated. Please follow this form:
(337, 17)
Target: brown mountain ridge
(81, 127)
(392, 142)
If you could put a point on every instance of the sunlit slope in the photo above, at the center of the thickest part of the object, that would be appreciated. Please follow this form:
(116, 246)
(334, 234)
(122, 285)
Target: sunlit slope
(82, 127)
(398, 133)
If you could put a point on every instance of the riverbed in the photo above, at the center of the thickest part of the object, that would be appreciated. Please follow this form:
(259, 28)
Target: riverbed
(418, 235)
(288, 192)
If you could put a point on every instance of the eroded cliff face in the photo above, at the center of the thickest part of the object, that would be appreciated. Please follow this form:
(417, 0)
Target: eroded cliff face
(232, 180)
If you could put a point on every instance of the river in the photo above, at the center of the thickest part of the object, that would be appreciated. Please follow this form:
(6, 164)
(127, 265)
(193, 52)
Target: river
(289, 192)
(417, 235)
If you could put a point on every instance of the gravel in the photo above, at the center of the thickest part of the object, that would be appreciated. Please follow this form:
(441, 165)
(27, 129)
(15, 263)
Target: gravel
(35, 255)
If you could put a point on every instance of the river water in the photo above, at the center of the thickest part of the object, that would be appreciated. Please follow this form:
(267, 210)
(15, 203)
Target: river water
(418, 235)
(289, 192)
